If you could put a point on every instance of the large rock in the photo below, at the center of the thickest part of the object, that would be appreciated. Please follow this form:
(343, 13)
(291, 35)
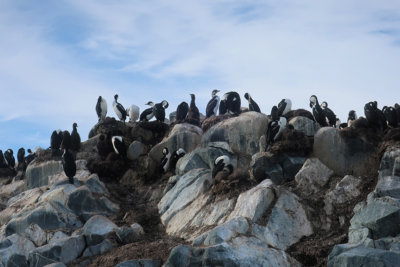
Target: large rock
(265, 166)
(10, 190)
(140, 263)
(242, 133)
(244, 251)
(17, 260)
(98, 249)
(345, 255)
(36, 235)
(183, 135)
(65, 250)
(388, 166)
(127, 235)
(253, 203)
(305, 125)
(135, 150)
(388, 186)
(313, 176)
(344, 155)
(13, 247)
(37, 174)
(288, 222)
(97, 228)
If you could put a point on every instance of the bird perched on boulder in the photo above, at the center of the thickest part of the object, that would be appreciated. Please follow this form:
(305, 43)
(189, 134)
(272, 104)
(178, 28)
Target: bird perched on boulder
(274, 130)
(69, 165)
(375, 117)
(230, 104)
(119, 109)
(66, 140)
(3, 161)
(9, 156)
(193, 116)
(148, 113)
(351, 117)
(182, 111)
(119, 146)
(329, 114)
(133, 112)
(21, 158)
(159, 110)
(318, 113)
(176, 155)
(30, 157)
(252, 104)
(104, 145)
(213, 104)
(55, 141)
(101, 108)
(284, 107)
(390, 115)
(222, 169)
(165, 160)
(75, 138)
(274, 113)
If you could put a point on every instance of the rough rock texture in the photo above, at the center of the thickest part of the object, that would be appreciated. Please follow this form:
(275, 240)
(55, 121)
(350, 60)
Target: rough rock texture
(37, 174)
(305, 125)
(388, 166)
(97, 228)
(313, 176)
(135, 150)
(140, 263)
(343, 155)
(265, 166)
(242, 133)
(14, 245)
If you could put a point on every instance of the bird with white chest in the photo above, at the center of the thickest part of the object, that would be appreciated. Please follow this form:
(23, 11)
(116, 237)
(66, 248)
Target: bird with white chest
(213, 104)
(119, 109)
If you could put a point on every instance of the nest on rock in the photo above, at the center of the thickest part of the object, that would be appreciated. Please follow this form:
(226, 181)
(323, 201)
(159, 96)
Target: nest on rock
(211, 121)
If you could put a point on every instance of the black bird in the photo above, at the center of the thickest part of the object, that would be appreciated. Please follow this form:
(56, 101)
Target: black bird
(329, 114)
(148, 113)
(101, 108)
(252, 104)
(28, 159)
(397, 108)
(221, 163)
(284, 107)
(104, 145)
(230, 104)
(21, 155)
(176, 155)
(159, 110)
(66, 140)
(165, 160)
(375, 116)
(351, 117)
(75, 138)
(274, 131)
(119, 109)
(193, 113)
(9, 156)
(390, 115)
(213, 104)
(55, 141)
(69, 165)
(318, 113)
(119, 146)
(3, 161)
(274, 113)
(182, 111)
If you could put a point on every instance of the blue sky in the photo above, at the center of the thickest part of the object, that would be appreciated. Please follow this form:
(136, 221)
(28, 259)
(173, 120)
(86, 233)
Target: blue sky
(57, 57)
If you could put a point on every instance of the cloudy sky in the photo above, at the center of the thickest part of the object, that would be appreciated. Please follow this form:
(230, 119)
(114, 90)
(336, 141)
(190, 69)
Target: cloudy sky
(57, 57)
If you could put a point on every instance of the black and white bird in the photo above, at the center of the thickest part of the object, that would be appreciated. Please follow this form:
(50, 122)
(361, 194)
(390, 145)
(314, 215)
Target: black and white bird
(133, 112)
(159, 110)
(101, 108)
(55, 141)
(66, 140)
(252, 104)
(9, 156)
(213, 104)
(104, 145)
(274, 113)
(119, 109)
(351, 117)
(329, 114)
(119, 146)
(230, 104)
(30, 157)
(318, 113)
(274, 131)
(176, 155)
(375, 117)
(391, 116)
(3, 161)
(284, 107)
(148, 113)
(75, 138)
(182, 111)
(69, 165)
(165, 160)
(193, 116)
(222, 163)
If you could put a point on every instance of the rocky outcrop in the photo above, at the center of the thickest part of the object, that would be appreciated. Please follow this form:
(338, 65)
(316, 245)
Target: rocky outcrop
(305, 125)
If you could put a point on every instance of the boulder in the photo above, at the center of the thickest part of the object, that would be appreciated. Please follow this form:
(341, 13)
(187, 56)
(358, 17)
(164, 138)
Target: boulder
(37, 174)
(98, 249)
(140, 263)
(305, 125)
(36, 235)
(253, 203)
(55, 237)
(14, 248)
(388, 166)
(56, 264)
(9, 190)
(265, 166)
(242, 133)
(17, 260)
(97, 228)
(291, 166)
(344, 255)
(135, 150)
(94, 184)
(344, 155)
(183, 135)
(313, 176)
(65, 250)
(288, 222)
(388, 186)
(127, 235)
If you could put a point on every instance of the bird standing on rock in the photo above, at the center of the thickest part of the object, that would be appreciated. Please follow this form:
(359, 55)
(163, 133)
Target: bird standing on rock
(159, 110)
(9, 156)
(148, 113)
(230, 104)
(165, 160)
(252, 104)
(66, 140)
(119, 146)
(101, 108)
(75, 138)
(329, 114)
(55, 141)
(213, 104)
(274, 131)
(284, 107)
(133, 112)
(119, 109)
(318, 113)
(182, 111)
(69, 165)
(193, 113)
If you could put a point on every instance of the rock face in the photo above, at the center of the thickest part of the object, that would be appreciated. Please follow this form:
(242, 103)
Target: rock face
(13, 248)
(38, 174)
(343, 155)
(242, 133)
(305, 125)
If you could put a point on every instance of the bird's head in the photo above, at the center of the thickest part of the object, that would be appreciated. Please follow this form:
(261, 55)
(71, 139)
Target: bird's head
(214, 92)
(247, 96)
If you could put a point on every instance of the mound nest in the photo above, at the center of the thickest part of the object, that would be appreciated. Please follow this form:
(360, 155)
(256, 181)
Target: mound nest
(293, 142)
(232, 186)
(368, 135)
(210, 122)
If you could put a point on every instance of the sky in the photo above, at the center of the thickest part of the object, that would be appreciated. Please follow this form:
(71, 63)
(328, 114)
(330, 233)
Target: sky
(57, 57)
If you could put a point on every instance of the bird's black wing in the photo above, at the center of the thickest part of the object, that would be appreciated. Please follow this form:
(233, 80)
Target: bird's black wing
(211, 106)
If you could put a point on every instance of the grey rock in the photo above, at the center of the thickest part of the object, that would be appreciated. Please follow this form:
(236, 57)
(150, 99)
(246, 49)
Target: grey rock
(305, 125)
(98, 249)
(17, 260)
(97, 228)
(396, 167)
(265, 166)
(140, 263)
(55, 237)
(56, 264)
(291, 166)
(12, 247)
(127, 235)
(313, 176)
(36, 235)
(388, 166)
(242, 133)
(362, 256)
(342, 155)
(388, 186)
(95, 185)
(65, 250)
(135, 150)
(37, 174)
(10, 190)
